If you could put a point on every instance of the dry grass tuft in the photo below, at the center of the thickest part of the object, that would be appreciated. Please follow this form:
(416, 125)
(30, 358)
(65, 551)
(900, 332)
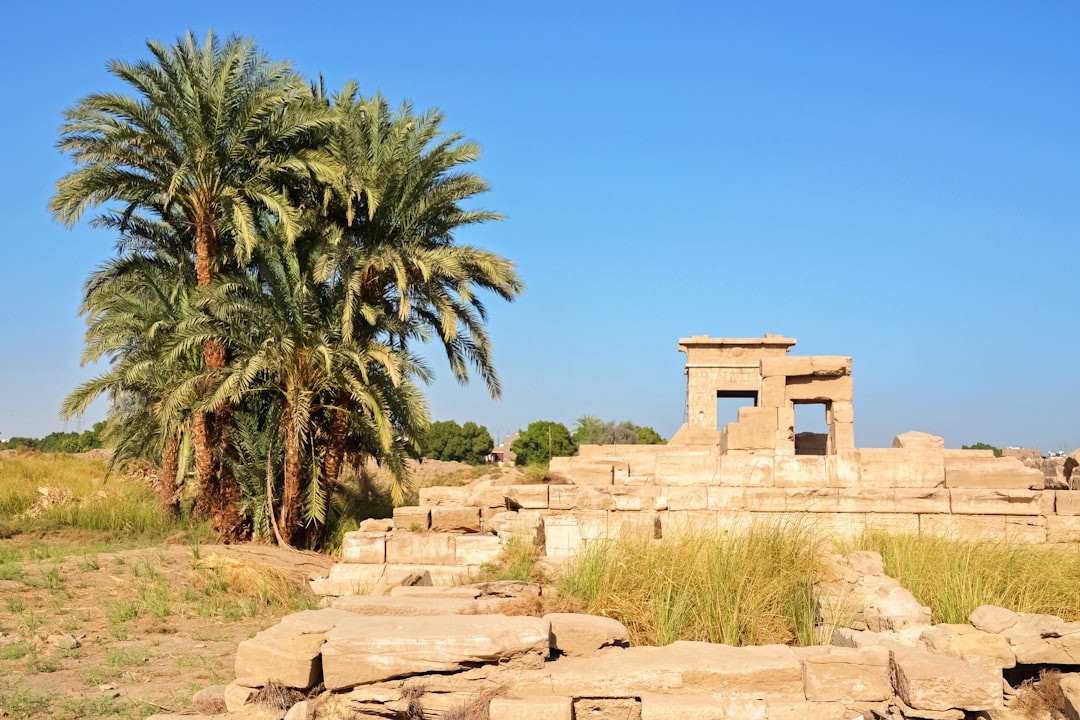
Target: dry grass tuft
(1040, 699)
(277, 696)
(474, 709)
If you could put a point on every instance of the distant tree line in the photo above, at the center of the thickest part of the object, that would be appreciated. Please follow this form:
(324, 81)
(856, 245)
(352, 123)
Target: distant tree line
(982, 446)
(468, 443)
(543, 439)
(60, 442)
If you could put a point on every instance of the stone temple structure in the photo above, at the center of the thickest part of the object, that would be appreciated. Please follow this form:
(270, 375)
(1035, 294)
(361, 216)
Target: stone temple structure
(712, 477)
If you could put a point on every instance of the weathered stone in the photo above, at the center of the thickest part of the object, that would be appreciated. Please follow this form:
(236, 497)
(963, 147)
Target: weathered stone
(1067, 502)
(577, 635)
(988, 501)
(607, 709)
(1070, 688)
(935, 682)
(348, 579)
(434, 496)
(741, 471)
(822, 499)
(303, 710)
(687, 707)
(973, 646)
(63, 641)
(364, 547)
(467, 592)
(376, 525)
(1014, 528)
(834, 673)
(794, 708)
(526, 497)
(1063, 529)
(993, 619)
(454, 519)
(477, 549)
(289, 651)
(893, 500)
(422, 548)
(579, 497)
(396, 605)
(370, 649)
(901, 467)
(800, 471)
(687, 498)
(909, 713)
(236, 695)
(916, 439)
(999, 473)
(410, 518)
(1044, 640)
(210, 700)
(533, 708)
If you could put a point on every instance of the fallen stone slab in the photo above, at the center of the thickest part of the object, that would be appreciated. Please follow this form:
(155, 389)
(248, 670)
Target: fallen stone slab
(578, 635)
(289, 651)
(1044, 640)
(367, 649)
(935, 682)
(405, 605)
(1070, 688)
(832, 674)
(968, 643)
(535, 708)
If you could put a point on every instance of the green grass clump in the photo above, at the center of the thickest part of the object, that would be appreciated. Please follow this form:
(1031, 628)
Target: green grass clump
(750, 587)
(953, 577)
(518, 562)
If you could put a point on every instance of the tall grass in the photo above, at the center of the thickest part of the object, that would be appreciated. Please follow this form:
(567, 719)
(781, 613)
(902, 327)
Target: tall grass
(953, 577)
(749, 587)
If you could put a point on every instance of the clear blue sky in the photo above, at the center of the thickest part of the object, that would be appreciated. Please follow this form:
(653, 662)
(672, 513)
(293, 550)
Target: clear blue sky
(897, 182)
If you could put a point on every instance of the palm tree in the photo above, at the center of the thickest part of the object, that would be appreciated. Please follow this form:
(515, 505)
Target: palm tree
(214, 135)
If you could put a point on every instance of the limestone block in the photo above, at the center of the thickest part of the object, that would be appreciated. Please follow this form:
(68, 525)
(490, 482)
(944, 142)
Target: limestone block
(841, 437)
(607, 709)
(755, 429)
(835, 673)
(819, 389)
(831, 365)
(686, 498)
(348, 579)
(916, 439)
(760, 499)
(527, 524)
(455, 519)
(532, 708)
(772, 392)
(1063, 528)
(527, 497)
(689, 467)
(422, 548)
(372, 525)
(432, 496)
(485, 495)
(1044, 639)
(1067, 502)
(1070, 688)
(893, 500)
(790, 708)
(901, 467)
(844, 469)
(999, 473)
(371, 649)
(721, 668)
(614, 672)
(362, 547)
(412, 519)
(746, 471)
(578, 635)
(477, 549)
(935, 682)
(1017, 528)
(726, 498)
(800, 471)
(565, 533)
(841, 411)
(289, 651)
(786, 366)
(967, 643)
(986, 501)
(579, 497)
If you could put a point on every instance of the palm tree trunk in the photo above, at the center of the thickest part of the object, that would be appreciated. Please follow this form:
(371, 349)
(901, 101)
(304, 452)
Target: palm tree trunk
(334, 456)
(289, 517)
(170, 465)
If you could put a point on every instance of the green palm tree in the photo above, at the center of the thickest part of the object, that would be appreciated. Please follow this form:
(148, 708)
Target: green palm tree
(214, 135)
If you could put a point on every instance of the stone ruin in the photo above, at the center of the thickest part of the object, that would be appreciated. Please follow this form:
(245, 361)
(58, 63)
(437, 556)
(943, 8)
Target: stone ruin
(396, 644)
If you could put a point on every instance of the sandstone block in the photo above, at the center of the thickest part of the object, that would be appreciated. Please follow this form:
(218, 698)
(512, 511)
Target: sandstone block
(1070, 688)
(371, 649)
(791, 708)
(687, 498)
(1044, 639)
(579, 497)
(746, 471)
(800, 471)
(901, 467)
(432, 496)
(528, 497)
(986, 501)
(893, 500)
(689, 707)
(916, 439)
(993, 619)
(999, 473)
(607, 709)
(1063, 528)
(1016, 528)
(973, 646)
(348, 579)
(726, 498)
(893, 522)
(422, 548)
(681, 523)
(934, 682)
(721, 668)
(1067, 502)
(533, 708)
(843, 412)
(819, 389)
(578, 635)
(477, 549)
(755, 429)
(377, 525)
(236, 696)
(635, 498)
(841, 437)
(844, 469)
(362, 547)
(772, 392)
(412, 519)
(690, 467)
(289, 651)
(454, 519)
(780, 499)
(404, 605)
(786, 366)
(612, 673)
(835, 673)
